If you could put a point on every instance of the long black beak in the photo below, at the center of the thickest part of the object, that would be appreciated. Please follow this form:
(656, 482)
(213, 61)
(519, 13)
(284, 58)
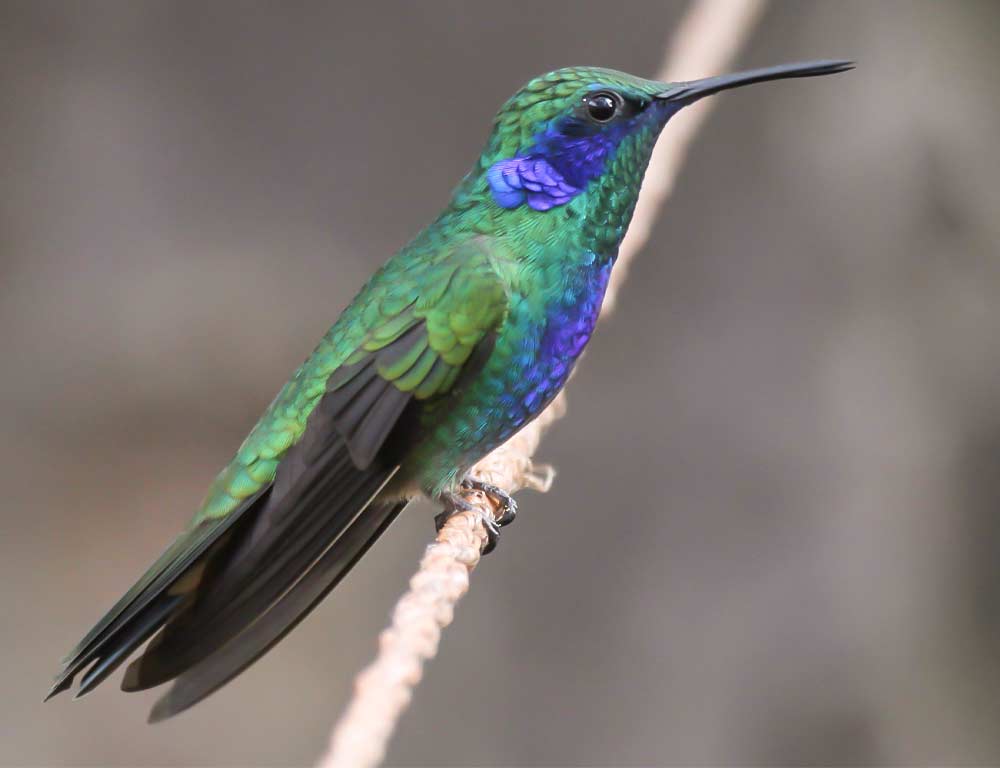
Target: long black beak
(685, 93)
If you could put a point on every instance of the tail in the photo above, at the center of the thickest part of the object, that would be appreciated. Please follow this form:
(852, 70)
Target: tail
(261, 634)
(225, 608)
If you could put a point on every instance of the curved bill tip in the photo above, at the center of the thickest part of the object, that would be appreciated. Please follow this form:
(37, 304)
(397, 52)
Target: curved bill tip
(685, 93)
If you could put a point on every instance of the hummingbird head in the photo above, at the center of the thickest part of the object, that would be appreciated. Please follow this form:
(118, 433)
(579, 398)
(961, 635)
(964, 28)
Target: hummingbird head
(581, 137)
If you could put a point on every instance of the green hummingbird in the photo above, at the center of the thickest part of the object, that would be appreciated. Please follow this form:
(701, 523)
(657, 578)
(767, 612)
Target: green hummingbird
(458, 341)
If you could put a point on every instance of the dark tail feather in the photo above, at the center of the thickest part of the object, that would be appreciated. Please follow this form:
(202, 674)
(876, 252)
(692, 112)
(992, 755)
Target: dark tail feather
(138, 631)
(260, 636)
(117, 646)
(251, 575)
(147, 605)
(266, 560)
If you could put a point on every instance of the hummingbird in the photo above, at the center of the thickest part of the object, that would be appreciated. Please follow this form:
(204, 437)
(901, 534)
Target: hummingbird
(452, 346)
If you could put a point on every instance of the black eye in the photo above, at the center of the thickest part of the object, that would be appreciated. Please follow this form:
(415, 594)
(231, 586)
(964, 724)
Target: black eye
(602, 106)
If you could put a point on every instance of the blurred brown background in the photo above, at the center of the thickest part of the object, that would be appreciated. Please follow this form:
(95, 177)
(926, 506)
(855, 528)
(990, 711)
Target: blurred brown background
(775, 535)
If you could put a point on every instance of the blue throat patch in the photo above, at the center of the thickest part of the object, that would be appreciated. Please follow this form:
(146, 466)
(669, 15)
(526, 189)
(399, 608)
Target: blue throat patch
(529, 179)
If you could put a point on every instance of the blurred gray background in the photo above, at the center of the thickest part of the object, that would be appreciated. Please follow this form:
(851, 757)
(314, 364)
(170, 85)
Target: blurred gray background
(775, 534)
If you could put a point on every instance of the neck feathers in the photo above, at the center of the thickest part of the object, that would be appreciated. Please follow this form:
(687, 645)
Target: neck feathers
(580, 184)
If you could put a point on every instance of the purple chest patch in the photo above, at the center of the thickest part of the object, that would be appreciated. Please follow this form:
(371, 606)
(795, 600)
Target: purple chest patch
(570, 324)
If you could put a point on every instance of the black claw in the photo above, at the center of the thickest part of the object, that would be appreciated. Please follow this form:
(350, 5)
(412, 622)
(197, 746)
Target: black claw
(440, 519)
(508, 507)
(492, 534)
(455, 503)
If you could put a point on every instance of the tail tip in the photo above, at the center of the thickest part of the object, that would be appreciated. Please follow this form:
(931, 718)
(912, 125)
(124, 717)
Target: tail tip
(58, 687)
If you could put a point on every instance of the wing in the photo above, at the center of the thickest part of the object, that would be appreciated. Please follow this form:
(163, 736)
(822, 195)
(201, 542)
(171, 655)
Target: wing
(286, 520)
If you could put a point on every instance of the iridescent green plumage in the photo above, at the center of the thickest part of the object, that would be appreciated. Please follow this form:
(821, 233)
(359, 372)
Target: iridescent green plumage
(458, 341)
(456, 281)
(453, 296)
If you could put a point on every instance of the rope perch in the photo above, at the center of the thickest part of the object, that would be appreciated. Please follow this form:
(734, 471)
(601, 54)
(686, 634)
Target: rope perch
(705, 42)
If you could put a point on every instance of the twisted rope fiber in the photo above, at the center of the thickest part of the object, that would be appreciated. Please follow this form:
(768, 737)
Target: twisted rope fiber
(705, 42)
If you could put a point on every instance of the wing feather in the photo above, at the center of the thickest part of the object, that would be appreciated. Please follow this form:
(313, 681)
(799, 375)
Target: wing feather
(290, 515)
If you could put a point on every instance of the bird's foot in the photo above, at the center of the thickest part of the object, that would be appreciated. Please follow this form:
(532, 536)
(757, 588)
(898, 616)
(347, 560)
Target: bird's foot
(456, 502)
(508, 507)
